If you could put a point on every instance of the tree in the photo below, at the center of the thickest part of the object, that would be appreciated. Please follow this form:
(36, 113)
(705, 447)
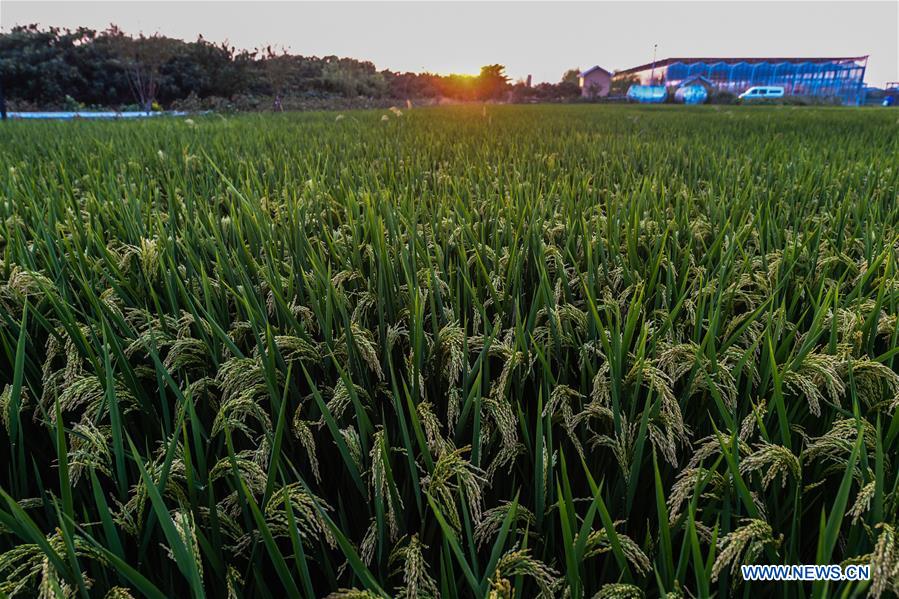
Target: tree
(570, 85)
(459, 87)
(352, 78)
(278, 69)
(621, 84)
(44, 66)
(492, 83)
(143, 58)
(571, 76)
(205, 69)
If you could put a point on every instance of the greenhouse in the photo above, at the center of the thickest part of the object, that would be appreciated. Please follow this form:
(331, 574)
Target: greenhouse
(838, 78)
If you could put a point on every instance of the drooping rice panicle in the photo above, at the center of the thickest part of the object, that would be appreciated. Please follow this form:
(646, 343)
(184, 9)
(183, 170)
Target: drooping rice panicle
(580, 350)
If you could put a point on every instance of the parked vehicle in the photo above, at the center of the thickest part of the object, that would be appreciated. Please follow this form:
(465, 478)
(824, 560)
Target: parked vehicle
(759, 92)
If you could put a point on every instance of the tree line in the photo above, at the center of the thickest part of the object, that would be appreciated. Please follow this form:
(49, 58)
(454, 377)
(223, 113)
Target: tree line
(67, 68)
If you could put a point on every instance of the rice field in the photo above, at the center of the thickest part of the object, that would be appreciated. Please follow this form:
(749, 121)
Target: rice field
(557, 351)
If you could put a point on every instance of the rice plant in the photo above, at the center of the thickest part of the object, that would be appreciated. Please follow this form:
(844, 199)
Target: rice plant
(504, 352)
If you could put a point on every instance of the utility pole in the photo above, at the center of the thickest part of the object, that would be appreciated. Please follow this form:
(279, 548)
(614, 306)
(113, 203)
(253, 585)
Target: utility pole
(652, 74)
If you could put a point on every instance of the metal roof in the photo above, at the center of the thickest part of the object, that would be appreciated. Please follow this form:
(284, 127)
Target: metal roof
(594, 68)
(775, 59)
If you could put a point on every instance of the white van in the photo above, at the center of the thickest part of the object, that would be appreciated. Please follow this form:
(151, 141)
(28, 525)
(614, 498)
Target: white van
(759, 92)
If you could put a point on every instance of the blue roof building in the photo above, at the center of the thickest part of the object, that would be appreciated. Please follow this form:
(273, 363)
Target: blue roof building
(841, 78)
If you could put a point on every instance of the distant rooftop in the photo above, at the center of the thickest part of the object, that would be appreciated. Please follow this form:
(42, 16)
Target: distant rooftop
(594, 68)
(772, 59)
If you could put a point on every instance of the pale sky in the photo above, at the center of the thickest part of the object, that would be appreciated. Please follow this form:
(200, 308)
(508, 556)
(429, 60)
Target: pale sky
(539, 38)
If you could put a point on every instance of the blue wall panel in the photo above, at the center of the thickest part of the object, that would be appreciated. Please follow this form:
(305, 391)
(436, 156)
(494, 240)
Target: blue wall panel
(843, 79)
